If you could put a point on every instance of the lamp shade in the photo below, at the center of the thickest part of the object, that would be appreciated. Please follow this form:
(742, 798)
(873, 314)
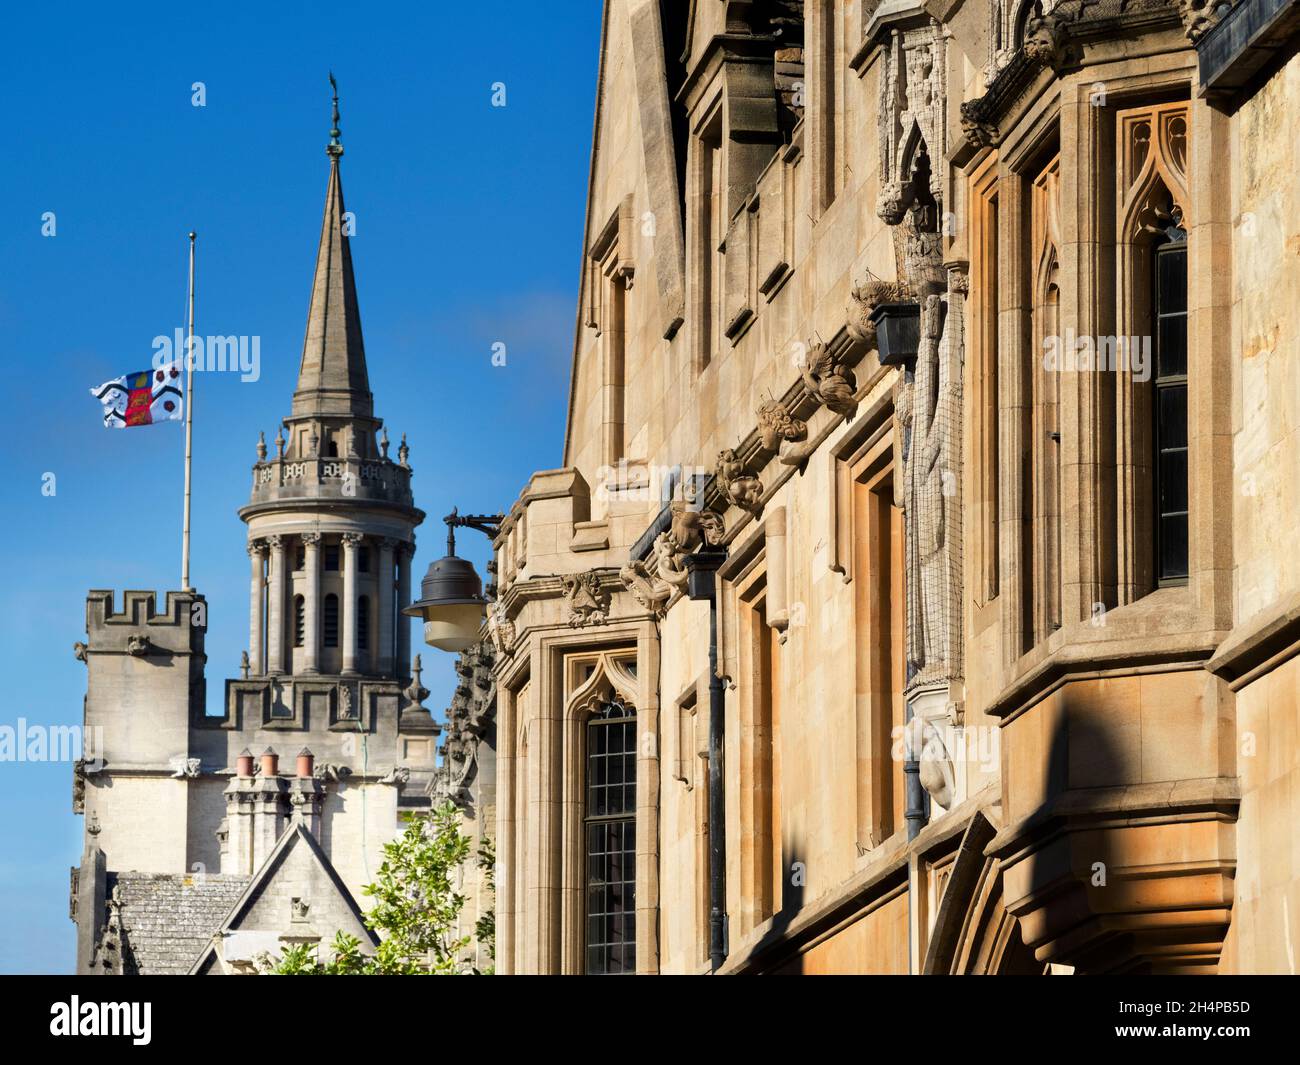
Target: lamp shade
(898, 332)
(451, 604)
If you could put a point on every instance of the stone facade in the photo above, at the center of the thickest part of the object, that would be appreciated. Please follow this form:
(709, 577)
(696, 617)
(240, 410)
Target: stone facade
(324, 734)
(924, 671)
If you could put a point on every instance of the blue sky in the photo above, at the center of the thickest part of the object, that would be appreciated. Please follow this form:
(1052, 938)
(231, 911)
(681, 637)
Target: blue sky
(468, 233)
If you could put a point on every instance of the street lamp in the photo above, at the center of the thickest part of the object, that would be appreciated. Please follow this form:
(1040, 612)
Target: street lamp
(451, 601)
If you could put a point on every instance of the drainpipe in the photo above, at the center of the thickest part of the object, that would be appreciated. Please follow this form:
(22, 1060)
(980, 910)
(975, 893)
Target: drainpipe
(702, 568)
(917, 811)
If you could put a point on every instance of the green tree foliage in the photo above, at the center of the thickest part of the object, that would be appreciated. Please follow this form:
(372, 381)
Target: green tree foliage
(416, 911)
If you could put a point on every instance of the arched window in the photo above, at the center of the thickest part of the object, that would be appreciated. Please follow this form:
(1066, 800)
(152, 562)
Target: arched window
(331, 620)
(299, 620)
(610, 829)
(1169, 319)
(363, 623)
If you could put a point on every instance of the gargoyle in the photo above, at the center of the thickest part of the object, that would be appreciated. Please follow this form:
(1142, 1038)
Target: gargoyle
(738, 487)
(830, 382)
(782, 432)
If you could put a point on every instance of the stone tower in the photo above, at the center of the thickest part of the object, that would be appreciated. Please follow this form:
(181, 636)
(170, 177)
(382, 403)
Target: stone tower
(212, 838)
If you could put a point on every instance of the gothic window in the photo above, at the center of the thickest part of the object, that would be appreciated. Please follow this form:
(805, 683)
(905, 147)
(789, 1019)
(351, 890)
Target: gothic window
(610, 830)
(1169, 317)
(332, 557)
(1044, 419)
(1152, 434)
(331, 620)
(299, 620)
(363, 623)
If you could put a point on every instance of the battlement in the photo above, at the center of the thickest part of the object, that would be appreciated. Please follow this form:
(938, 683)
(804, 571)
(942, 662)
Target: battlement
(140, 628)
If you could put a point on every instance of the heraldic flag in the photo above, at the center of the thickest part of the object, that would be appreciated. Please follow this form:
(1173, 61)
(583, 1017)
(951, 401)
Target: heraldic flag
(142, 398)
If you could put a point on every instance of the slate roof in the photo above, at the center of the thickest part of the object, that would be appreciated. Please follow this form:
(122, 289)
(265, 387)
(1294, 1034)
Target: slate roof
(169, 918)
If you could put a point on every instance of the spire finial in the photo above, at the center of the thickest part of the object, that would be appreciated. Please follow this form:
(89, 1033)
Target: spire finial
(335, 148)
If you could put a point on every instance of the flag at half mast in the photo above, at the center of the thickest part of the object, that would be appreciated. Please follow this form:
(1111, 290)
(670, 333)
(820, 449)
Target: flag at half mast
(145, 397)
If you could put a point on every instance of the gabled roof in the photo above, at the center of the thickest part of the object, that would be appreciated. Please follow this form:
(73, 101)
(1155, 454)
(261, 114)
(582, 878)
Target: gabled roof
(295, 845)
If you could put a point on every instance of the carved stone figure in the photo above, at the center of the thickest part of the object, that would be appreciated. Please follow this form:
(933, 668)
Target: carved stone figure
(692, 528)
(782, 432)
(137, 645)
(650, 592)
(588, 603)
(976, 128)
(864, 298)
(1044, 39)
(830, 381)
(928, 439)
(1201, 16)
(79, 651)
(738, 486)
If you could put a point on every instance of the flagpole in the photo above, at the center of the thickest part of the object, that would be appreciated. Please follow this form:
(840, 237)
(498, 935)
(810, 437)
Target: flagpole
(189, 428)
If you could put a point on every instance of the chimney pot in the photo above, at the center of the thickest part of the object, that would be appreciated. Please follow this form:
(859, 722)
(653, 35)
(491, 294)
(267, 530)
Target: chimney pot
(306, 762)
(270, 763)
(244, 763)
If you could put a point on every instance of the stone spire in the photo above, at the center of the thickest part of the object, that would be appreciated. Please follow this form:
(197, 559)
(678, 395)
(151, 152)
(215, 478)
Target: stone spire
(332, 377)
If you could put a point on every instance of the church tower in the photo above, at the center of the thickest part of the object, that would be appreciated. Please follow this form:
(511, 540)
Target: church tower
(211, 838)
(331, 519)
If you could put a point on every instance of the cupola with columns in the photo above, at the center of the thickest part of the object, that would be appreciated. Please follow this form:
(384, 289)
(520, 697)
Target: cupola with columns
(331, 520)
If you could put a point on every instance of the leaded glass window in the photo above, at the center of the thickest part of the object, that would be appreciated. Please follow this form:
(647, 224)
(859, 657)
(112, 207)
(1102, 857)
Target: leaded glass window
(610, 829)
(1170, 319)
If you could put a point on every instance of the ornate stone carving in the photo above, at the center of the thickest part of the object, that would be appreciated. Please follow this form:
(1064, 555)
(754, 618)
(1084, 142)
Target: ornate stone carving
(137, 645)
(185, 768)
(469, 718)
(782, 432)
(501, 628)
(650, 592)
(79, 786)
(981, 131)
(737, 485)
(1045, 39)
(691, 529)
(79, 650)
(329, 771)
(913, 89)
(830, 381)
(1201, 16)
(309, 538)
(588, 603)
(865, 296)
(890, 204)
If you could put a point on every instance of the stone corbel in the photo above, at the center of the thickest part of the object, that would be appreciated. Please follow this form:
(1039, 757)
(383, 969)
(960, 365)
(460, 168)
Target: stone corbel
(738, 487)
(650, 592)
(1045, 40)
(865, 296)
(654, 585)
(1200, 16)
(976, 126)
(781, 432)
(830, 381)
(588, 603)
